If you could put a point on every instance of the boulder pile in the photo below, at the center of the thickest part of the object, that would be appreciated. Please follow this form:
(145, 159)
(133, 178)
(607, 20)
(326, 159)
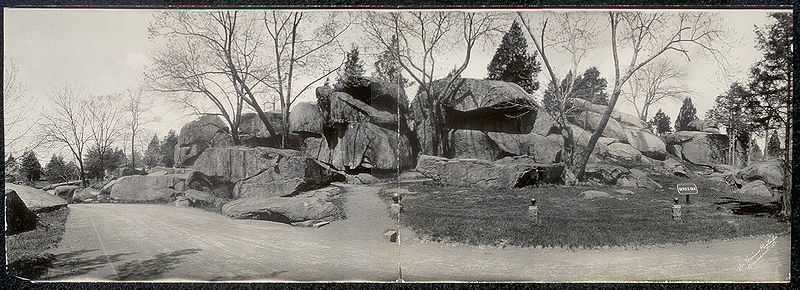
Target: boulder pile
(699, 147)
(361, 130)
(263, 171)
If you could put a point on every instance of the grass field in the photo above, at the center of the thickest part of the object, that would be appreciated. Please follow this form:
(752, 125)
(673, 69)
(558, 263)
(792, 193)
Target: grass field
(500, 217)
(26, 251)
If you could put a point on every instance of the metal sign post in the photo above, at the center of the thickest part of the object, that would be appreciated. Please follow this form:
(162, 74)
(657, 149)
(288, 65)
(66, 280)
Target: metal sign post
(687, 189)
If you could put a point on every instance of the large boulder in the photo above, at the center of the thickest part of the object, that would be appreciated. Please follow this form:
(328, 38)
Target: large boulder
(757, 188)
(543, 149)
(198, 135)
(770, 172)
(359, 146)
(263, 171)
(475, 104)
(282, 209)
(253, 132)
(346, 109)
(590, 121)
(620, 176)
(505, 173)
(85, 194)
(18, 217)
(378, 94)
(306, 119)
(148, 188)
(475, 144)
(650, 145)
(708, 126)
(66, 191)
(582, 105)
(700, 148)
(622, 154)
(37, 200)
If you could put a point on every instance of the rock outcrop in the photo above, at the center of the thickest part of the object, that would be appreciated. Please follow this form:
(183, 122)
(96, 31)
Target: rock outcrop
(66, 191)
(306, 119)
(770, 172)
(263, 172)
(700, 148)
(508, 172)
(362, 130)
(147, 188)
(37, 200)
(198, 135)
(620, 176)
(707, 126)
(19, 218)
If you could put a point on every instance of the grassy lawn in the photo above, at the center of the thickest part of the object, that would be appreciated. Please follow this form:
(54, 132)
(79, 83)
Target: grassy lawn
(26, 251)
(500, 217)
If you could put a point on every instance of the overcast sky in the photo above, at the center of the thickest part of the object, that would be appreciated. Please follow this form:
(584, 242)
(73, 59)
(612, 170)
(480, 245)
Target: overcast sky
(106, 51)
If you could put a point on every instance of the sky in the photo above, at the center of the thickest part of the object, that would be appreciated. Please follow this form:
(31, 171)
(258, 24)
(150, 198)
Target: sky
(106, 51)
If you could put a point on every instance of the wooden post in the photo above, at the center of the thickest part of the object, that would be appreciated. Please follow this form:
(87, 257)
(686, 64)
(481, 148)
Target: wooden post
(676, 210)
(533, 210)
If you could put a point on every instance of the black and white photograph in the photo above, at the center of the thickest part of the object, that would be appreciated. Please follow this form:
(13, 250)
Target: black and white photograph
(398, 145)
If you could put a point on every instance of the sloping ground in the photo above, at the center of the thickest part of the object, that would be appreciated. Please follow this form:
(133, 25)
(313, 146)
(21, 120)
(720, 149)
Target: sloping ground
(158, 242)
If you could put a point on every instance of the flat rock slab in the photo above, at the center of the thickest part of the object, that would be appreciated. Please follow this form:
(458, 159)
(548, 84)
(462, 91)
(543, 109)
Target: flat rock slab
(37, 200)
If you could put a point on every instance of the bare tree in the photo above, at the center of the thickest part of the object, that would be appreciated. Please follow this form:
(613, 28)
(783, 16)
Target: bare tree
(16, 109)
(423, 37)
(208, 55)
(649, 35)
(105, 124)
(298, 48)
(653, 83)
(67, 124)
(574, 35)
(136, 105)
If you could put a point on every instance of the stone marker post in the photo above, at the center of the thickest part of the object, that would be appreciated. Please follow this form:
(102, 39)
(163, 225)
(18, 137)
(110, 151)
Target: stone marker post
(676, 210)
(533, 210)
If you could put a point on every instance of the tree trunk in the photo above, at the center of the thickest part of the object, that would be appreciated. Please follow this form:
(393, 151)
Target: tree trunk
(83, 173)
(584, 157)
(285, 125)
(133, 151)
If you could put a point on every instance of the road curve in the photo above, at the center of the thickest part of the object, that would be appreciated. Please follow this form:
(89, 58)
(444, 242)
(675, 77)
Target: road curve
(134, 242)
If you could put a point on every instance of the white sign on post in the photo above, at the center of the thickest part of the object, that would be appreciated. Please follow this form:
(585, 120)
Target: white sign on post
(687, 189)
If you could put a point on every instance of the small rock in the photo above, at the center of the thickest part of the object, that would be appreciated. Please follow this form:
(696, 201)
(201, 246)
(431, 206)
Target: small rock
(591, 194)
(624, 191)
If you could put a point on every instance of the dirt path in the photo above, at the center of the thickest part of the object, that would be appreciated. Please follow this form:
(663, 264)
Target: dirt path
(159, 242)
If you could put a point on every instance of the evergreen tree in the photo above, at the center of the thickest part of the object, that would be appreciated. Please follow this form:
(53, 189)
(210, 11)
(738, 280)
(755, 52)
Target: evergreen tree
(590, 86)
(11, 168)
(168, 149)
(57, 171)
(97, 165)
(153, 157)
(549, 101)
(755, 153)
(353, 67)
(387, 68)
(774, 146)
(512, 63)
(687, 114)
(30, 169)
(661, 123)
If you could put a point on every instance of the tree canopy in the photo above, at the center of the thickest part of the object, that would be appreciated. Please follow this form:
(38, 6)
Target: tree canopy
(661, 123)
(512, 63)
(686, 115)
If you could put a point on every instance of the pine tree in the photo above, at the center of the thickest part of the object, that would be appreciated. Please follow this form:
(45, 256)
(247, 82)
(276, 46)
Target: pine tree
(661, 123)
(96, 167)
(549, 101)
(30, 169)
(512, 63)
(153, 157)
(774, 146)
(687, 114)
(590, 86)
(168, 149)
(387, 68)
(353, 67)
(57, 170)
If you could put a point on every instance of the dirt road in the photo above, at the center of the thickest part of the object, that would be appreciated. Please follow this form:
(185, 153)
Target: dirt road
(159, 242)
